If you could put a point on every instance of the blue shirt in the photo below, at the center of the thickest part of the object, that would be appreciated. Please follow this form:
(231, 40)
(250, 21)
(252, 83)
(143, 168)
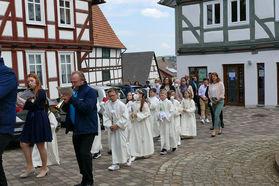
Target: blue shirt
(72, 109)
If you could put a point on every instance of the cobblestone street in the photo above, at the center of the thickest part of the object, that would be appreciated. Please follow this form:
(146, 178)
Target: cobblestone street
(242, 155)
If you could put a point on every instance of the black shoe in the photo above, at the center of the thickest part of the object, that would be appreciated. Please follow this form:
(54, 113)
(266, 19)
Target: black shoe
(222, 125)
(163, 152)
(96, 155)
(213, 135)
(78, 184)
(211, 128)
(109, 152)
(173, 149)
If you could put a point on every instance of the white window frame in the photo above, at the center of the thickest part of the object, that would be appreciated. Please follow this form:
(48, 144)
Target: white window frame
(213, 25)
(60, 68)
(71, 12)
(42, 54)
(276, 10)
(230, 23)
(31, 22)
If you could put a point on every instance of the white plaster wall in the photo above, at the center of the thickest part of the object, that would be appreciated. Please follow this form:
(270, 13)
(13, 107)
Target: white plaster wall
(53, 93)
(264, 9)
(51, 61)
(99, 52)
(99, 75)
(105, 62)
(113, 52)
(18, 7)
(8, 31)
(80, 18)
(189, 38)
(92, 63)
(92, 54)
(20, 29)
(85, 35)
(98, 63)
(112, 74)
(192, 13)
(7, 55)
(81, 5)
(214, 36)
(78, 31)
(240, 34)
(113, 62)
(50, 10)
(259, 32)
(3, 7)
(20, 67)
(214, 63)
(67, 35)
(92, 76)
(51, 31)
(35, 33)
(271, 27)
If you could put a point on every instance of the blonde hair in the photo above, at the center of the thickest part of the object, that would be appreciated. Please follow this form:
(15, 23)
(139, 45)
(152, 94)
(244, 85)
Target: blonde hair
(189, 92)
(163, 91)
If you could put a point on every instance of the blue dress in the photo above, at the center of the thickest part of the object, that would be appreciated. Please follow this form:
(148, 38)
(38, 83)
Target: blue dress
(37, 127)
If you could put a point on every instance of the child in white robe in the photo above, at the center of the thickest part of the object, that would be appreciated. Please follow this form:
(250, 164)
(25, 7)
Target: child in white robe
(115, 119)
(188, 118)
(176, 115)
(97, 143)
(141, 140)
(51, 147)
(153, 102)
(165, 118)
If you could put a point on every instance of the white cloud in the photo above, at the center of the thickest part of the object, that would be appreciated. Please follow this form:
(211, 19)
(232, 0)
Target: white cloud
(165, 45)
(153, 12)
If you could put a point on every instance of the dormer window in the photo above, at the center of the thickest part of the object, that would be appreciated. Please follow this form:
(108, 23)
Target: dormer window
(213, 14)
(35, 12)
(238, 12)
(65, 13)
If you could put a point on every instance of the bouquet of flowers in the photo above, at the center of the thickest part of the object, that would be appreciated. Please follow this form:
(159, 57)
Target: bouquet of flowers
(161, 113)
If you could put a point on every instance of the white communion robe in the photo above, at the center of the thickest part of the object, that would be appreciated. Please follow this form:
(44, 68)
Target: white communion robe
(97, 143)
(188, 119)
(155, 128)
(141, 140)
(129, 107)
(167, 131)
(117, 113)
(51, 147)
(176, 119)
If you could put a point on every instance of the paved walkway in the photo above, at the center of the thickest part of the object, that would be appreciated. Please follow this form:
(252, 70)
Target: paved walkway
(242, 155)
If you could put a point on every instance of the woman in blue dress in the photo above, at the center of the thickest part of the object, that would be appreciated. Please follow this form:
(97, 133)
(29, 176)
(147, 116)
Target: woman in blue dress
(37, 127)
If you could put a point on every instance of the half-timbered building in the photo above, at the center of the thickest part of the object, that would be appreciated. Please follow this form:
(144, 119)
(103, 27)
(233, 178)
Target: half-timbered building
(48, 37)
(103, 64)
(238, 39)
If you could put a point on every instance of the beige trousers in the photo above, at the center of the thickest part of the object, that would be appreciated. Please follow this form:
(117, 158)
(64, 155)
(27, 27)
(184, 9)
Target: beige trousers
(204, 109)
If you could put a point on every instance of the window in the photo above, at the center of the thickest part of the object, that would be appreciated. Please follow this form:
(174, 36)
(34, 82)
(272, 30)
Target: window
(261, 79)
(213, 14)
(66, 68)
(238, 12)
(199, 72)
(106, 53)
(35, 12)
(35, 64)
(65, 13)
(106, 75)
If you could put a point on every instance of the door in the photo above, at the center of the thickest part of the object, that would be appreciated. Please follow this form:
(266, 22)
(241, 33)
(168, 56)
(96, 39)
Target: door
(234, 84)
(261, 74)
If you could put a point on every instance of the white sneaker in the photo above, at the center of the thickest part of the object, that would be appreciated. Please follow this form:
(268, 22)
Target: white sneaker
(114, 167)
(133, 158)
(202, 121)
(129, 162)
(207, 120)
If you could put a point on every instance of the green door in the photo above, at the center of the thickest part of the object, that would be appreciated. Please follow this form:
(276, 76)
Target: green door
(234, 84)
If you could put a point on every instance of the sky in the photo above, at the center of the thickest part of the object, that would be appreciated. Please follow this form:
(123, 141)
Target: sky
(142, 25)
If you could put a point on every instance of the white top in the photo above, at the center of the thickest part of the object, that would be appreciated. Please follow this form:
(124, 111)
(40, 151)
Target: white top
(202, 90)
(214, 90)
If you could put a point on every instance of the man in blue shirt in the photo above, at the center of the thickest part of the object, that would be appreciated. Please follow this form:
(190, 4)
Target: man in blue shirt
(8, 93)
(82, 119)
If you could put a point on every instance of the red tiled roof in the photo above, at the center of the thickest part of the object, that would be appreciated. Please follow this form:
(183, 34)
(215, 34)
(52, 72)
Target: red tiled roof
(103, 34)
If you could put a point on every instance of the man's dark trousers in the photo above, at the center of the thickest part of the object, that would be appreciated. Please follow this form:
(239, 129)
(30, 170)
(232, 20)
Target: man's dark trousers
(82, 145)
(4, 141)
